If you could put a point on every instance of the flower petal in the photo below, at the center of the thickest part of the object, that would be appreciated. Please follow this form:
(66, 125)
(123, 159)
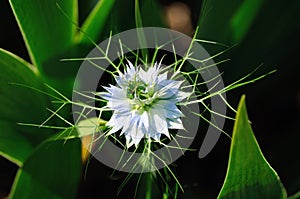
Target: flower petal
(158, 121)
(152, 111)
(175, 124)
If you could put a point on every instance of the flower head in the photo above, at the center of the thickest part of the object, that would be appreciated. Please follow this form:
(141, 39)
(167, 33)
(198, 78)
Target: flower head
(144, 104)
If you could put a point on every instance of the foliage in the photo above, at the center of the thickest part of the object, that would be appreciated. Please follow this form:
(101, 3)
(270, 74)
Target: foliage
(49, 165)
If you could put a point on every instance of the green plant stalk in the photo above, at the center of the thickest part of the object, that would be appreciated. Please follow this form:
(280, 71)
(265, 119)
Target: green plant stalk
(149, 186)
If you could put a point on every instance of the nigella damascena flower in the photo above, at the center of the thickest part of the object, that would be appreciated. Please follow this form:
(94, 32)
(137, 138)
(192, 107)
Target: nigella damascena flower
(144, 104)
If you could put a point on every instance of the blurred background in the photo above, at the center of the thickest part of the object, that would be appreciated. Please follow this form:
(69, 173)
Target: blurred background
(260, 32)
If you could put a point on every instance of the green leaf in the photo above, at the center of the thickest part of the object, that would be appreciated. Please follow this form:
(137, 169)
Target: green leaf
(140, 32)
(243, 18)
(61, 74)
(19, 104)
(249, 175)
(52, 171)
(137, 12)
(10, 137)
(95, 22)
(295, 196)
(151, 14)
(227, 21)
(147, 13)
(122, 19)
(46, 29)
(16, 101)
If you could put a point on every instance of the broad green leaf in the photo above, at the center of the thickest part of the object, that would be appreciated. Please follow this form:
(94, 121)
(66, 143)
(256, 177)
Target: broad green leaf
(268, 36)
(295, 196)
(147, 13)
(122, 19)
(137, 14)
(227, 21)
(47, 30)
(13, 145)
(214, 20)
(52, 171)
(265, 37)
(85, 8)
(61, 74)
(249, 175)
(94, 24)
(151, 13)
(19, 104)
(243, 18)
(139, 24)
(123, 15)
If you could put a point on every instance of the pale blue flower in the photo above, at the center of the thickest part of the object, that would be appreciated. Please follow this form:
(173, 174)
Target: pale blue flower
(144, 104)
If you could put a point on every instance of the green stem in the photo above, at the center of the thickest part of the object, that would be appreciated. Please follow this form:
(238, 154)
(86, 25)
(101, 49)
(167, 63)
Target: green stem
(166, 194)
(149, 186)
(149, 177)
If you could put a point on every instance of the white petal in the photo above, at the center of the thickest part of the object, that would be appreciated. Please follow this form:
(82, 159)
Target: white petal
(169, 90)
(158, 121)
(130, 70)
(145, 120)
(170, 84)
(129, 141)
(175, 124)
(126, 126)
(156, 136)
(105, 95)
(171, 109)
(135, 131)
(117, 120)
(145, 76)
(121, 106)
(121, 81)
(182, 95)
(163, 113)
(162, 77)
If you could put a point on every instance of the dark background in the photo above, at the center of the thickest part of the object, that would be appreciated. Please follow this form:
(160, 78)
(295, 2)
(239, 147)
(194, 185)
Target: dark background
(273, 104)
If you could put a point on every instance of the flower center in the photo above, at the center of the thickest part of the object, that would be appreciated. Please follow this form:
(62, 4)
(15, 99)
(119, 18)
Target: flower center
(140, 94)
(137, 89)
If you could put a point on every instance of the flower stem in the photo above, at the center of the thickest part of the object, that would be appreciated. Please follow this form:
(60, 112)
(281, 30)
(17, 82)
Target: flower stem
(149, 175)
(149, 186)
